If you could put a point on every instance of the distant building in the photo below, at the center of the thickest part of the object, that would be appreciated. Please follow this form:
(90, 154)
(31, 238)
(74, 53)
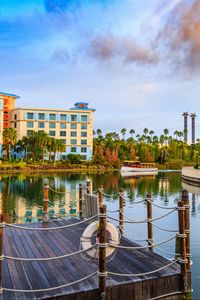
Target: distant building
(73, 126)
(7, 102)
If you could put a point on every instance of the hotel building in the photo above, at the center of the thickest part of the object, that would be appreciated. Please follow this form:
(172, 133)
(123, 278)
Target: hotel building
(73, 126)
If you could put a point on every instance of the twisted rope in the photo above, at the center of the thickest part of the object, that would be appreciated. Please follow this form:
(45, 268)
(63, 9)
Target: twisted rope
(142, 247)
(130, 220)
(47, 258)
(159, 206)
(50, 228)
(164, 215)
(130, 238)
(144, 274)
(136, 202)
(52, 288)
(161, 228)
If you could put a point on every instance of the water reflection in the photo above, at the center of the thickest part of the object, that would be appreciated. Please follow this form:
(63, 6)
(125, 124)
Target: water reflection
(22, 195)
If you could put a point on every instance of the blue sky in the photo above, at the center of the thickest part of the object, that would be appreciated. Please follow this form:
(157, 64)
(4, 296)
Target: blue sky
(136, 61)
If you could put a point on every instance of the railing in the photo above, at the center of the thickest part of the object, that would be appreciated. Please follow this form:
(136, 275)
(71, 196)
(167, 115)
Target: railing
(183, 257)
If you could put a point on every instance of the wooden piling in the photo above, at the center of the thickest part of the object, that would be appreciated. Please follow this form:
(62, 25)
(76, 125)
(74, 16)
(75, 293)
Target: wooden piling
(101, 196)
(149, 222)
(88, 186)
(1, 250)
(80, 198)
(45, 203)
(102, 252)
(121, 212)
(182, 238)
(185, 199)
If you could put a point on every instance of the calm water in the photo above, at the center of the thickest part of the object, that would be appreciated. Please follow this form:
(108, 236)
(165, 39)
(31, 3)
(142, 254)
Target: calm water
(21, 198)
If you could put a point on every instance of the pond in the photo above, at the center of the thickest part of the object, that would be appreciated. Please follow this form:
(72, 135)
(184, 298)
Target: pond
(22, 199)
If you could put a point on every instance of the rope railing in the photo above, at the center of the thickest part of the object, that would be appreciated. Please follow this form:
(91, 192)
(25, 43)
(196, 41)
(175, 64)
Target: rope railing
(47, 258)
(135, 202)
(164, 229)
(164, 215)
(142, 247)
(145, 273)
(131, 238)
(108, 195)
(159, 206)
(129, 221)
(52, 288)
(50, 228)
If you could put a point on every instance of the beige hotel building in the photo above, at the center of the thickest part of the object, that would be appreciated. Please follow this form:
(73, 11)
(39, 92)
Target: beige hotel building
(73, 126)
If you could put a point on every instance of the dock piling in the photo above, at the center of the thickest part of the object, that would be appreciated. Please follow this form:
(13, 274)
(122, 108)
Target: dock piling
(1, 249)
(149, 218)
(121, 211)
(182, 240)
(102, 252)
(45, 203)
(185, 199)
(100, 196)
(80, 200)
(88, 186)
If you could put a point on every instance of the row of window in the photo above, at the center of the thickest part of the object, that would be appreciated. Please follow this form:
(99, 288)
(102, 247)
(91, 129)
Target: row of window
(62, 133)
(53, 125)
(74, 149)
(53, 117)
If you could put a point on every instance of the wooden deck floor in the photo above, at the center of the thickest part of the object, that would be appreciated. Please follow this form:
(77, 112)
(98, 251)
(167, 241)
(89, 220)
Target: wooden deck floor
(41, 275)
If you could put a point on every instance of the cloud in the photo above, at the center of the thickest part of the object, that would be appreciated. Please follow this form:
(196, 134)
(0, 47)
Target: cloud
(180, 35)
(109, 46)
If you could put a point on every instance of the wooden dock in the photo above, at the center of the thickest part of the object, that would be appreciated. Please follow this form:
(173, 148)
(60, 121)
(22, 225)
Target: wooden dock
(37, 275)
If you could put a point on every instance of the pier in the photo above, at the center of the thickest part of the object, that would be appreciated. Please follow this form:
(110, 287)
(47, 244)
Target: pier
(45, 260)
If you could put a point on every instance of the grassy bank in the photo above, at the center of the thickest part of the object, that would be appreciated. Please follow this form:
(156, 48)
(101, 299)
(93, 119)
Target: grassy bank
(63, 166)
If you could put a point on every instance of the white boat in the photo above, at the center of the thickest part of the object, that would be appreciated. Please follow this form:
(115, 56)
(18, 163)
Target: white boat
(137, 167)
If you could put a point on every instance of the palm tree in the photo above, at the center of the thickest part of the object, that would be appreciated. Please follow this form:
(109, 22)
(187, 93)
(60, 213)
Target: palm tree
(132, 132)
(99, 132)
(9, 140)
(123, 132)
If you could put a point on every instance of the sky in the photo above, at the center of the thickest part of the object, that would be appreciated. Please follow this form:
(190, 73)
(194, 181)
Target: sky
(136, 61)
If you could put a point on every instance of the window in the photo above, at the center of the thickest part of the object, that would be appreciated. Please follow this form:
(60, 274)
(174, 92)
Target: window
(52, 133)
(15, 116)
(63, 126)
(74, 118)
(52, 117)
(84, 134)
(73, 149)
(73, 142)
(41, 125)
(30, 116)
(28, 132)
(41, 116)
(64, 141)
(83, 149)
(52, 125)
(73, 126)
(83, 142)
(62, 133)
(63, 117)
(73, 133)
(15, 125)
(84, 157)
(29, 125)
(83, 118)
(83, 126)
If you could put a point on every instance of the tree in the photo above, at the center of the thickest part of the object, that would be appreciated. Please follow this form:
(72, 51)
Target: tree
(132, 132)
(99, 132)
(9, 140)
(123, 132)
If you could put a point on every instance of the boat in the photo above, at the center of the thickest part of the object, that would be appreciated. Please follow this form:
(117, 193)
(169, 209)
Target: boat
(138, 168)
